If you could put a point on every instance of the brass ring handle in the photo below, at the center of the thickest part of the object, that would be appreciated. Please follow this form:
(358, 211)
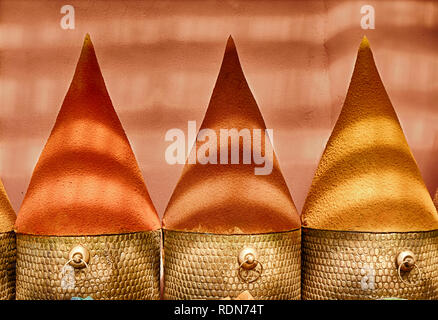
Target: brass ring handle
(78, 257)
(71, 262)
(406, 262)
(409, 282)
(251, 275)
(250, 269)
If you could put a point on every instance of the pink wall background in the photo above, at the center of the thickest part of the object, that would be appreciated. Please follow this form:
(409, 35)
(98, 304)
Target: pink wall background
(160, 60)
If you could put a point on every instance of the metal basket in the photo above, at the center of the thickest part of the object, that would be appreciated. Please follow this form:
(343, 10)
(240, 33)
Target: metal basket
(217, 266)
(7, 265)
(366, 265)
(113, 267)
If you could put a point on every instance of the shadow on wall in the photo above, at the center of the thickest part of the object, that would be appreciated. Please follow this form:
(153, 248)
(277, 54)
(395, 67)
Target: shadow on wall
(161, 59)
(431, 178)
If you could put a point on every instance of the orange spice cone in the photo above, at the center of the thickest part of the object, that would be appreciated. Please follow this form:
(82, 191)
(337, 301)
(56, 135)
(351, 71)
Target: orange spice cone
(369, 224)
(7, 247)
(227, 229)
(87, 227)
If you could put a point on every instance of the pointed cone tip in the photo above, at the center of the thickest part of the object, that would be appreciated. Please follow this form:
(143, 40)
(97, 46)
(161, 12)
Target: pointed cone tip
(87, 41)
(365, 44)
(230, 44)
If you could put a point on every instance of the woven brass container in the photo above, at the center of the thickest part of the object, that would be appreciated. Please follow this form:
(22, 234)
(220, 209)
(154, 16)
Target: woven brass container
(213, 266)
(120, 267)
(7, 265)
(364, 265)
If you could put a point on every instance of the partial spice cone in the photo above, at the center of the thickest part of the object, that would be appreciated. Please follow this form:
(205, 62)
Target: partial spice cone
(435, 199)
(217, 211)
(243, 296)
(88, 191)
(370, 229)
(7, 213)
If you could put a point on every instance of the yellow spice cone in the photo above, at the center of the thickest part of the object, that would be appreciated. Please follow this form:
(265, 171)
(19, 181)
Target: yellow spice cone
(369, 223)
(435, 200)
(7, 214)
(7, 247)
(367, 178)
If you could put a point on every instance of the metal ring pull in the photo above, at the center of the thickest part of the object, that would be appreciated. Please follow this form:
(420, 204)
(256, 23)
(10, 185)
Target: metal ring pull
(406, 262)
(72, 262)
(250, 269)
(78, 257)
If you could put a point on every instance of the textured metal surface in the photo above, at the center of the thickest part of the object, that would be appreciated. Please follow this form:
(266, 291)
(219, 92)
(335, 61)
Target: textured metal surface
(7, 265)
(124, 266)
(205, 266)
(362, 265)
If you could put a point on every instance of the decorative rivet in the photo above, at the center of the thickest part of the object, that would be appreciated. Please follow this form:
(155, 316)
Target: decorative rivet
(247, 258)
(79, 256)
(250, 269)
(406, 260)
